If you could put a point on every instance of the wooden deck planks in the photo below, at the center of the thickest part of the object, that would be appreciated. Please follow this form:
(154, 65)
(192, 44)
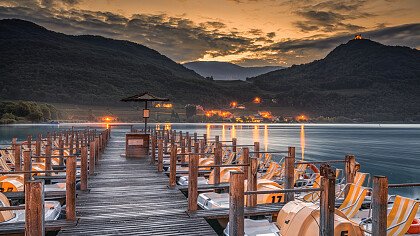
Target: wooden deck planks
(129, 197)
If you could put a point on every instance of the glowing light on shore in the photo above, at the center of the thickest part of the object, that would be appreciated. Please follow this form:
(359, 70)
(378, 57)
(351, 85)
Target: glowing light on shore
(302, 141)
(233, 104)
(257, 100)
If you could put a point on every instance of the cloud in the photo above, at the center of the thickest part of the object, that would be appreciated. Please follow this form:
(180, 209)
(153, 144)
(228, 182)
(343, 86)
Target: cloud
(183, 40)
(331, 16)
(298, 51)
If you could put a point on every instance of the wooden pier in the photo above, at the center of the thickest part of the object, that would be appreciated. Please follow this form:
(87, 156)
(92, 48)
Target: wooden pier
(129, 197)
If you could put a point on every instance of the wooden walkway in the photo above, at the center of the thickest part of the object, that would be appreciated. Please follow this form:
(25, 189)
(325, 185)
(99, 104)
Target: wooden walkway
(129, 197)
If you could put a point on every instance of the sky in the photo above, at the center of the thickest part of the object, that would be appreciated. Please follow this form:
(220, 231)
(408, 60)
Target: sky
(244, 32)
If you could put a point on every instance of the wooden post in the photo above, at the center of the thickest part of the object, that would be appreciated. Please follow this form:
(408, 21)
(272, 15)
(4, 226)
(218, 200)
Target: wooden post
(71, 142)
(61, 151)
(202, 146)
(252, 182)
(246, 161)
(192, 183)
(234, 144)
(172, 167)
(84, 168)
(29, 143)
(34, 208)
(195, 137)
(48, 161)
(77, 142)
(379, 205)
(18, 161)
(327, 201)
(71, 188)
(189, 146)
(217, 161)
(289, 169)
(97, 150)
(27, 165)
(152, 150)
(92, 158)
(166, 140)
(182, 149)
(160, 155)
(350, 168)
(236, 203)
(257, 149)
(205, 138)
(291, 152)
(38, 147)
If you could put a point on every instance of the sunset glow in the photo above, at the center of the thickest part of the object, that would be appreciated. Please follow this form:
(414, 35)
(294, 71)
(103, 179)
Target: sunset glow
(244, 32)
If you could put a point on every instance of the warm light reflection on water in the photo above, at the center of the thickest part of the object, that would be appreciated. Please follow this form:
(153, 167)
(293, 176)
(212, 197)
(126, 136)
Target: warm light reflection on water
(265, 138)
(208, 131)
(256, 134)
(223, 133)
(233, 132)
(302, 141)
(168, 126)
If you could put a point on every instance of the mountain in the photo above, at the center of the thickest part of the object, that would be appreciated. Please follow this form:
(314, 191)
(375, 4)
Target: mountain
(42, 65)
(227, 71)
(359, 79)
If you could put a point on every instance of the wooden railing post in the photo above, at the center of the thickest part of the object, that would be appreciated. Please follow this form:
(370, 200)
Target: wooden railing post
(327, 201)
(160, 155)
(236, 203)
(350, 168)
(34, 208)
(217, 161)
(192, 183)
(172, 167)
(289, 175)
(205, 138)
(92, 158)
(48, 161)
(38, 147)
(27, 165)
(71, 188)
(61, 151)
(379, 205)
(97, 150)
(246, 161)
(202, 145)
(18, 161)
(189, 146)
(234, 144)
(257, 149)
(252, 182)
(153, 150)
(195, 137)
(182, 149)
(84, 168)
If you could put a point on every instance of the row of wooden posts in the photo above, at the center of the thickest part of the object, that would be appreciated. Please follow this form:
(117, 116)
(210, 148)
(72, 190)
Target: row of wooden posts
(87, 145)
(194, 147)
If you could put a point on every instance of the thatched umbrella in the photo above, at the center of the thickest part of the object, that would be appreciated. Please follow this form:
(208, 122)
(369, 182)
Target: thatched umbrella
(145, 97)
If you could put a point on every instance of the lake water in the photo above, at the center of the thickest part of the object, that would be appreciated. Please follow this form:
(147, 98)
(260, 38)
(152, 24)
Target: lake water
(390, 150)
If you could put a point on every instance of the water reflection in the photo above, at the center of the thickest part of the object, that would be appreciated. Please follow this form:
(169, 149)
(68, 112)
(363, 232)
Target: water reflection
(233, 132)
(256, 134)
(223, 133)
(302, 141)
(265, 138)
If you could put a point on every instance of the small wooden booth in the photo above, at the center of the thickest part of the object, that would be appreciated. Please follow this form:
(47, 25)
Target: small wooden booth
(137, 144)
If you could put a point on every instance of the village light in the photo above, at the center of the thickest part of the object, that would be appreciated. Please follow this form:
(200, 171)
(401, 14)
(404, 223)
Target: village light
(257, 100)
(233, 104)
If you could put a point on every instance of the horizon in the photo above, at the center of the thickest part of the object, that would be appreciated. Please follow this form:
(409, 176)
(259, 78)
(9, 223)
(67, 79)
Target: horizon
(302, 33)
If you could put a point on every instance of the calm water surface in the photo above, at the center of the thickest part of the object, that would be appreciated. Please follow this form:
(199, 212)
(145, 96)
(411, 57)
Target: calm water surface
(390, 150)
